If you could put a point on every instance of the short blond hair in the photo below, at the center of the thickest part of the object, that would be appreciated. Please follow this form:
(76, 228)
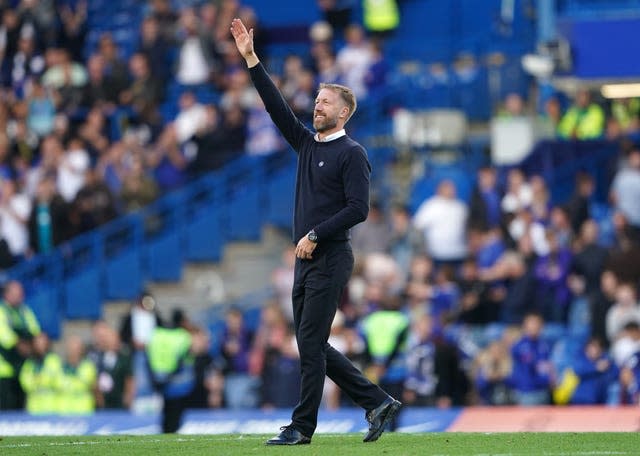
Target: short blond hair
(346, 94)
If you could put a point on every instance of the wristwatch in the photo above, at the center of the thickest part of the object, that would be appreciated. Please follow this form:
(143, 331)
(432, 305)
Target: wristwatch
(312, 236)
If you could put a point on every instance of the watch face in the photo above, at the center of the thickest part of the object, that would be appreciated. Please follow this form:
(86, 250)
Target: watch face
(313, 237)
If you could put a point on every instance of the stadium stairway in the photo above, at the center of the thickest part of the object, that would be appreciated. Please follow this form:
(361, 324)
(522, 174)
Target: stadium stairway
(245, 268)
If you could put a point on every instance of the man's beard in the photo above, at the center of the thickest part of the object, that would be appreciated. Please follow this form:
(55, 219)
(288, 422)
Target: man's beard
(325, 124)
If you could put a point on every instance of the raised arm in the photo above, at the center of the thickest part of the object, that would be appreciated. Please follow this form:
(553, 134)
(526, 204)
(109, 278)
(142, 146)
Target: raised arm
(291, 128)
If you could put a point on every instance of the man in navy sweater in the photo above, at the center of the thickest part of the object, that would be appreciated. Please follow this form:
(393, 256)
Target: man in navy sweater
(332, 195)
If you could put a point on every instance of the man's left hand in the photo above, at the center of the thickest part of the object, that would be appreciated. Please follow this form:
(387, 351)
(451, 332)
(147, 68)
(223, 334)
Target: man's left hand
(305, 248)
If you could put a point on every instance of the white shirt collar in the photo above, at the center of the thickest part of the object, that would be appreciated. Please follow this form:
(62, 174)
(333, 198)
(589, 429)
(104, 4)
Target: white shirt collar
(331, 137)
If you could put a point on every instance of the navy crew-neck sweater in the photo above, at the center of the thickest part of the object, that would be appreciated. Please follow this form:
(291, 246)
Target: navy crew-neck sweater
(332, 180)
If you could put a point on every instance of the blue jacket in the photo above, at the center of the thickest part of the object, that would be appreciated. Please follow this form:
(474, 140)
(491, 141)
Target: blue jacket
(594, 384)
(530, 365)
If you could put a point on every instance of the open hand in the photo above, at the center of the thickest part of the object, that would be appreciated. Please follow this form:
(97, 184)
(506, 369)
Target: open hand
(243, 39)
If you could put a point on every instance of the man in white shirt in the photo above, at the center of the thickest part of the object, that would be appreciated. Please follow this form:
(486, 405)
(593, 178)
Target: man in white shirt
(14, 213)
(72, 170)
(443, 219)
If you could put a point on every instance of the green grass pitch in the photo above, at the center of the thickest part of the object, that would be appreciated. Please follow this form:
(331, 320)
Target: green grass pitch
(428, 444)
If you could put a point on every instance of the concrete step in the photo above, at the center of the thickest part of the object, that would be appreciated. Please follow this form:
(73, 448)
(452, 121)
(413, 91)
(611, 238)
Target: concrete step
(246, 267)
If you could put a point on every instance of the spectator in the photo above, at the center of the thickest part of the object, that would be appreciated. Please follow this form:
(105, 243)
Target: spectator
(513, 107)
(626, 309)
(560, 224)
(540, 199)
(115, 380)
(443, 220)
(65, 76)
(18, 327)
(138, 188)
(626, 111)
(627, 343)
(354, 59)
(484, 209)
(378, 71)
(282, 281)
(372, 235)
(73, 18)
(241, 388)
(94, 204)
(190, 118)
(77, 396)
(625, 191)
(337, 13)
(143, 94)
(584, 120)
(72, 169)
(136, 329)
(380, 17)
(588, 261)
(519, 299)
(385, 333)
(519, 194)
(170, 354)
(492, 368)
(578, 204)
(630, 380)
(209, 141)
(434, 376)
(419, 287)
(15, 208)
(281, 370)
(51, 152)
(27, 65)
(93, 132)
(551, 272)
(474, 305)
(272, 320)
(10, 31)
(325, 64)
(194, 65)
(40, 378)
(162, 12)
(49, 220)
(115, 65)
(156, 48)
(601, 299)
(532, 373)
(262, 137)
(42, 110)
(590, 375)
(445, 297)
(404, 240)
(101, 90)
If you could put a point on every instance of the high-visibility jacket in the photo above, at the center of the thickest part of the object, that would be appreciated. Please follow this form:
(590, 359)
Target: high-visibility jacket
(15, 323)
(171, 362)
(380, 15)
(77, 396)
(582, 123)
(41, 381)
(385, 333)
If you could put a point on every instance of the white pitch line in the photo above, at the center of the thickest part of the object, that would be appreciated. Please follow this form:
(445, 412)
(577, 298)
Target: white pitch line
(123, 441)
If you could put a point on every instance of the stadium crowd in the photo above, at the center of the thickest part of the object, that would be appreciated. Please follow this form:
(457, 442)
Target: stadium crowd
(505, 299)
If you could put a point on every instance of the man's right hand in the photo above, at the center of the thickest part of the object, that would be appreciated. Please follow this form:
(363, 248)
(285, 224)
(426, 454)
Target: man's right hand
(244, 42)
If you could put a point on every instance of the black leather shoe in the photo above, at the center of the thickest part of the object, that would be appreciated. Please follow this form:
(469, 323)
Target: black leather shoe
(289, 436)
(379, 417)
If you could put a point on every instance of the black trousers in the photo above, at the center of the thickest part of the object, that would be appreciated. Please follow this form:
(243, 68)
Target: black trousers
(172, 411)
(11, 395)
(317, 288)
